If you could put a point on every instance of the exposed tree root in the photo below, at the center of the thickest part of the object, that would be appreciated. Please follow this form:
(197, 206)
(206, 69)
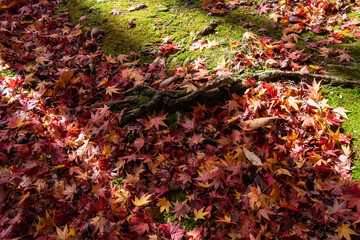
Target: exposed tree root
(296, 76)
(171, 100)
(215, 90)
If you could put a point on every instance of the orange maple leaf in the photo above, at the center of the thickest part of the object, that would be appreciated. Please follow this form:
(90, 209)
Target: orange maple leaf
(345, 231)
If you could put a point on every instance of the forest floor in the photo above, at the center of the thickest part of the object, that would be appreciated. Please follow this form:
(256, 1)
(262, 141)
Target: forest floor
(181, 20)
(93, 144)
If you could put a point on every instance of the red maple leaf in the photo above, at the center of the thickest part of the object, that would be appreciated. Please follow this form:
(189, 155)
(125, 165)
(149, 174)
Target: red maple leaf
(116, 12)
(181, 209)
(156, 121)
(344, 56)
(264, 9)
(353, 196)
(173, 230)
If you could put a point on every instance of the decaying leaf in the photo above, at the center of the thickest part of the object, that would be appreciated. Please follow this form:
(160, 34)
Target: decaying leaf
(258, 122)
(252, 157)
(137, 7)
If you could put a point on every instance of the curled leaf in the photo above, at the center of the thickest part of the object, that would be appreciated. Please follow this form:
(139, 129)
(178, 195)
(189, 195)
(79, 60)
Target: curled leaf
(258, 122)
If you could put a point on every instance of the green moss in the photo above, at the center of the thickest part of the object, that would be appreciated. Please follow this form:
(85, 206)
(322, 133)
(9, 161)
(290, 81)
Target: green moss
(117, 180)
(8, 73)
(354, 14)
(171, 120)
(143, 99)
(165, 216)
(353, 49)
(356, 171)
(176, 196)
(351, 72)
(181, 23)
(186, 223)
(189, 223)
(349, 99)
(348, 70)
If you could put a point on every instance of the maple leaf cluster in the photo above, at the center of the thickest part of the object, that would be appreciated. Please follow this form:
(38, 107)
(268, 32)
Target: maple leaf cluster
(319, 17)
(271, 163)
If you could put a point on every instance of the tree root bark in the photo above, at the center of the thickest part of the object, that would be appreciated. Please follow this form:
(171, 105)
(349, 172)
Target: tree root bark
(296, 76)
(171, 100)
(212, 92)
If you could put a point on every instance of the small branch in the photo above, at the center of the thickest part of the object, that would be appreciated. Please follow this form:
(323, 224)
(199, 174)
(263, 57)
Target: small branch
(172, 19)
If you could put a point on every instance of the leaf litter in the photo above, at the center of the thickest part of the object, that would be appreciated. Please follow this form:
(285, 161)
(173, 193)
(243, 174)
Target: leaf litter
(271, 163)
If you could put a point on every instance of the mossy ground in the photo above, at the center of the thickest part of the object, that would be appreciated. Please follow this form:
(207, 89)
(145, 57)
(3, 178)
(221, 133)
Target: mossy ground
(186, 223)
(184, 18)
(349, 99)
(8, 73)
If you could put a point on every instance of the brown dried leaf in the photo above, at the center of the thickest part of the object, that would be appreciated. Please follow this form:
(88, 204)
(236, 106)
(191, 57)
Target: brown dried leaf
(252, 157)
(258, 122)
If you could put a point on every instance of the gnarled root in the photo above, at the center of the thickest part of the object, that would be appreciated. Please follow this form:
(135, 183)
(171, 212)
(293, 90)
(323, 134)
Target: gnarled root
(213, 91)
(296, 76)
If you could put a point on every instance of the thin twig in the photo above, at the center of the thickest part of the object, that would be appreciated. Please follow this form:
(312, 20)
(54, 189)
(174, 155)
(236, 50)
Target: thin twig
(170, 20)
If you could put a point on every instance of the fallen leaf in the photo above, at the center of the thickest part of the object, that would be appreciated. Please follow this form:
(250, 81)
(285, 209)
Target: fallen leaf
(143, 201)
(252, 157)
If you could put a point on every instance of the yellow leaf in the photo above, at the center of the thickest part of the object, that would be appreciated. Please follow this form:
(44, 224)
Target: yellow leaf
(74, 81)
(102, 82)
(29, 78)
(154, 237)
(336, 135)
(143, 201)
(232, 119)
(62, 234)
(190, 87)
(292, 102)
(226, 219)
(205, 185)
(112, 89)
(200, 214)
(99, 222)
(341, 111)
(345, 231)
(112, 137)
(190, 197)
(24, 197)
(283, 171)
(122, 196)
(110, 59)
(346, 149)
(252, 35)
(66, 76)
(107, 150)
(164, 204)
(58, 167)
(45, 225)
